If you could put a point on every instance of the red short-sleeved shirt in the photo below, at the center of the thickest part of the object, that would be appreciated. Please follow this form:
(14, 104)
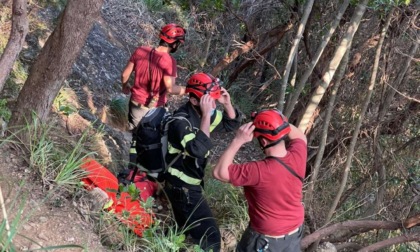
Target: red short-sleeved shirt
(161, 64)
(274, 195)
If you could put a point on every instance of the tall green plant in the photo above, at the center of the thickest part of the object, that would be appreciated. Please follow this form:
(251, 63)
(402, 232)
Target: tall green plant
(8, 230)
(5, 112)
(51, 157)
(232, 209)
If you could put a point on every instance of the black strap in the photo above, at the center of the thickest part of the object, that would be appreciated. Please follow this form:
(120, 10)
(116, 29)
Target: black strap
(150, 71)
(287, 167)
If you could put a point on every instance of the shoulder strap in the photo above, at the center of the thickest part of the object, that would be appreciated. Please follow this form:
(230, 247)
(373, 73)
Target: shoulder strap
(150, 72)
(178, 116)
(287, 167)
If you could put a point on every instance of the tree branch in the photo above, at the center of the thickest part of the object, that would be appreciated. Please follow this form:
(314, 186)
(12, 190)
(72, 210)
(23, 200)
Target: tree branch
(356, 227)
(18, 33)
(280, 35)
(392, 241)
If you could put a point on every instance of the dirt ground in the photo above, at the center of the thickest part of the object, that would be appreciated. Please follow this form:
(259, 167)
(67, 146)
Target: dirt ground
(43, 222)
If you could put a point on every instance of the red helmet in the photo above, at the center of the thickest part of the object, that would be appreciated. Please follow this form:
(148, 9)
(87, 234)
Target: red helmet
(202, 83)
(270, 124)
(172, 33)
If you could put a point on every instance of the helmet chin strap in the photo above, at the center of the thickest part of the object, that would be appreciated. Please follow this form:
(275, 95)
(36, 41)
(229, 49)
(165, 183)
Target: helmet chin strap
(174, 46)
(268, 145)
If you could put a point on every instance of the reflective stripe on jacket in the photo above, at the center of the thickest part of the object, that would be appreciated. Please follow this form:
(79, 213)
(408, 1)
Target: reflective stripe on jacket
(194, 144)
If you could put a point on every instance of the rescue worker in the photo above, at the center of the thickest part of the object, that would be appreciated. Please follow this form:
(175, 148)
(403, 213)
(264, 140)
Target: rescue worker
(184, 178)
(155, 71)
(272, 186)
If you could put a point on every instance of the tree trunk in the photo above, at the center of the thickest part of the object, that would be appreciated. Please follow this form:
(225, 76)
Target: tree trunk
(360, 120)
(333, 65)
(301, 84)
(323, 141)
(292, 53)
(206, 55)
(391, 91)
(55, 61)
(377, 151)
(17, 38)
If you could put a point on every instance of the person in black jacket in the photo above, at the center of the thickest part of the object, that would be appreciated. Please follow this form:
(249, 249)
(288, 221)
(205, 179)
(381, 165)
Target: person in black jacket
(184, 178)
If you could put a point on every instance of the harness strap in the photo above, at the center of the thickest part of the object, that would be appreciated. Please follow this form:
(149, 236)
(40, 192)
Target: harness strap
(287, 167)
(150, 73)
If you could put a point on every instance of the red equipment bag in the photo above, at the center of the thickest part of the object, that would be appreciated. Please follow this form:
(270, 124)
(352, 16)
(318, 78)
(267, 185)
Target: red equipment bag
(137, 219)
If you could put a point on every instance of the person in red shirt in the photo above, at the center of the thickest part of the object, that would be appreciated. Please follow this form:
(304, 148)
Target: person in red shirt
(272, 186)
(155, 72)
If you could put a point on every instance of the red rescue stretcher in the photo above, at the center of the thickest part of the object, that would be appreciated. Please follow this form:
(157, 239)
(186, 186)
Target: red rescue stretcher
(138, 218)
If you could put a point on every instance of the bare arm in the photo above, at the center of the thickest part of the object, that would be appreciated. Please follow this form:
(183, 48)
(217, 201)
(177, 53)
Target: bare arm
(125, 75)
(227, 104)
(171, 87)
(206, 106)
(243, 135)
(296, 133)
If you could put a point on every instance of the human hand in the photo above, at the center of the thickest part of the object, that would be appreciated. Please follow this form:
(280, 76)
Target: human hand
(126, 88)
(207, 104)
(245, 133)
(224, 97)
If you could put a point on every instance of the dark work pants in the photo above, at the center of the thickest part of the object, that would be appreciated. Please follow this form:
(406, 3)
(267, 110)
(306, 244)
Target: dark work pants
(253, 241)
(192, 213)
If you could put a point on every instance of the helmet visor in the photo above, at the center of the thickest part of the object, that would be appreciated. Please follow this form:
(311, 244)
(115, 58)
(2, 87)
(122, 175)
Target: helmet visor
(213, 89)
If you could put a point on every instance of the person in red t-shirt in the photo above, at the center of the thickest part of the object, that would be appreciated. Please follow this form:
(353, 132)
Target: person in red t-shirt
(155, 72)
(272, 186)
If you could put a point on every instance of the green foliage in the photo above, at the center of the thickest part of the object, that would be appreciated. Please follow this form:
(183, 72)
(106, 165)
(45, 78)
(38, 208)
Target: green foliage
(51, 157)
(5, 16)
(154, 5)
(241, 99)
(212, 8)
(118, 108)
(230, 203)
(386, 4)
(59, 4)
(132, 190)
(5, 112)
(16, 79)
(9, 231)
(63, 102)
(160, 237)
(67, 170)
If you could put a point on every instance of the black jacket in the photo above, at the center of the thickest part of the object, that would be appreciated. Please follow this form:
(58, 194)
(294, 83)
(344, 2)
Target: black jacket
(195, 146)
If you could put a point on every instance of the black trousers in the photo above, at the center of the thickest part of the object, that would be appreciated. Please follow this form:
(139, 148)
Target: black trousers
(253, 241)
(193, 214)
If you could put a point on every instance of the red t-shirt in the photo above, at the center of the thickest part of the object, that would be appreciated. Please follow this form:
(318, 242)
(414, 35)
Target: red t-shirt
(274, 194)
(161, 64)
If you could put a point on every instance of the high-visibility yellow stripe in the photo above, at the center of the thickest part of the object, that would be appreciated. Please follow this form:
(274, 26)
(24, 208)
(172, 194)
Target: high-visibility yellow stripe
(217, 120)
(173, 150)
(133, 147)
(182, 176)
(187, 138)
